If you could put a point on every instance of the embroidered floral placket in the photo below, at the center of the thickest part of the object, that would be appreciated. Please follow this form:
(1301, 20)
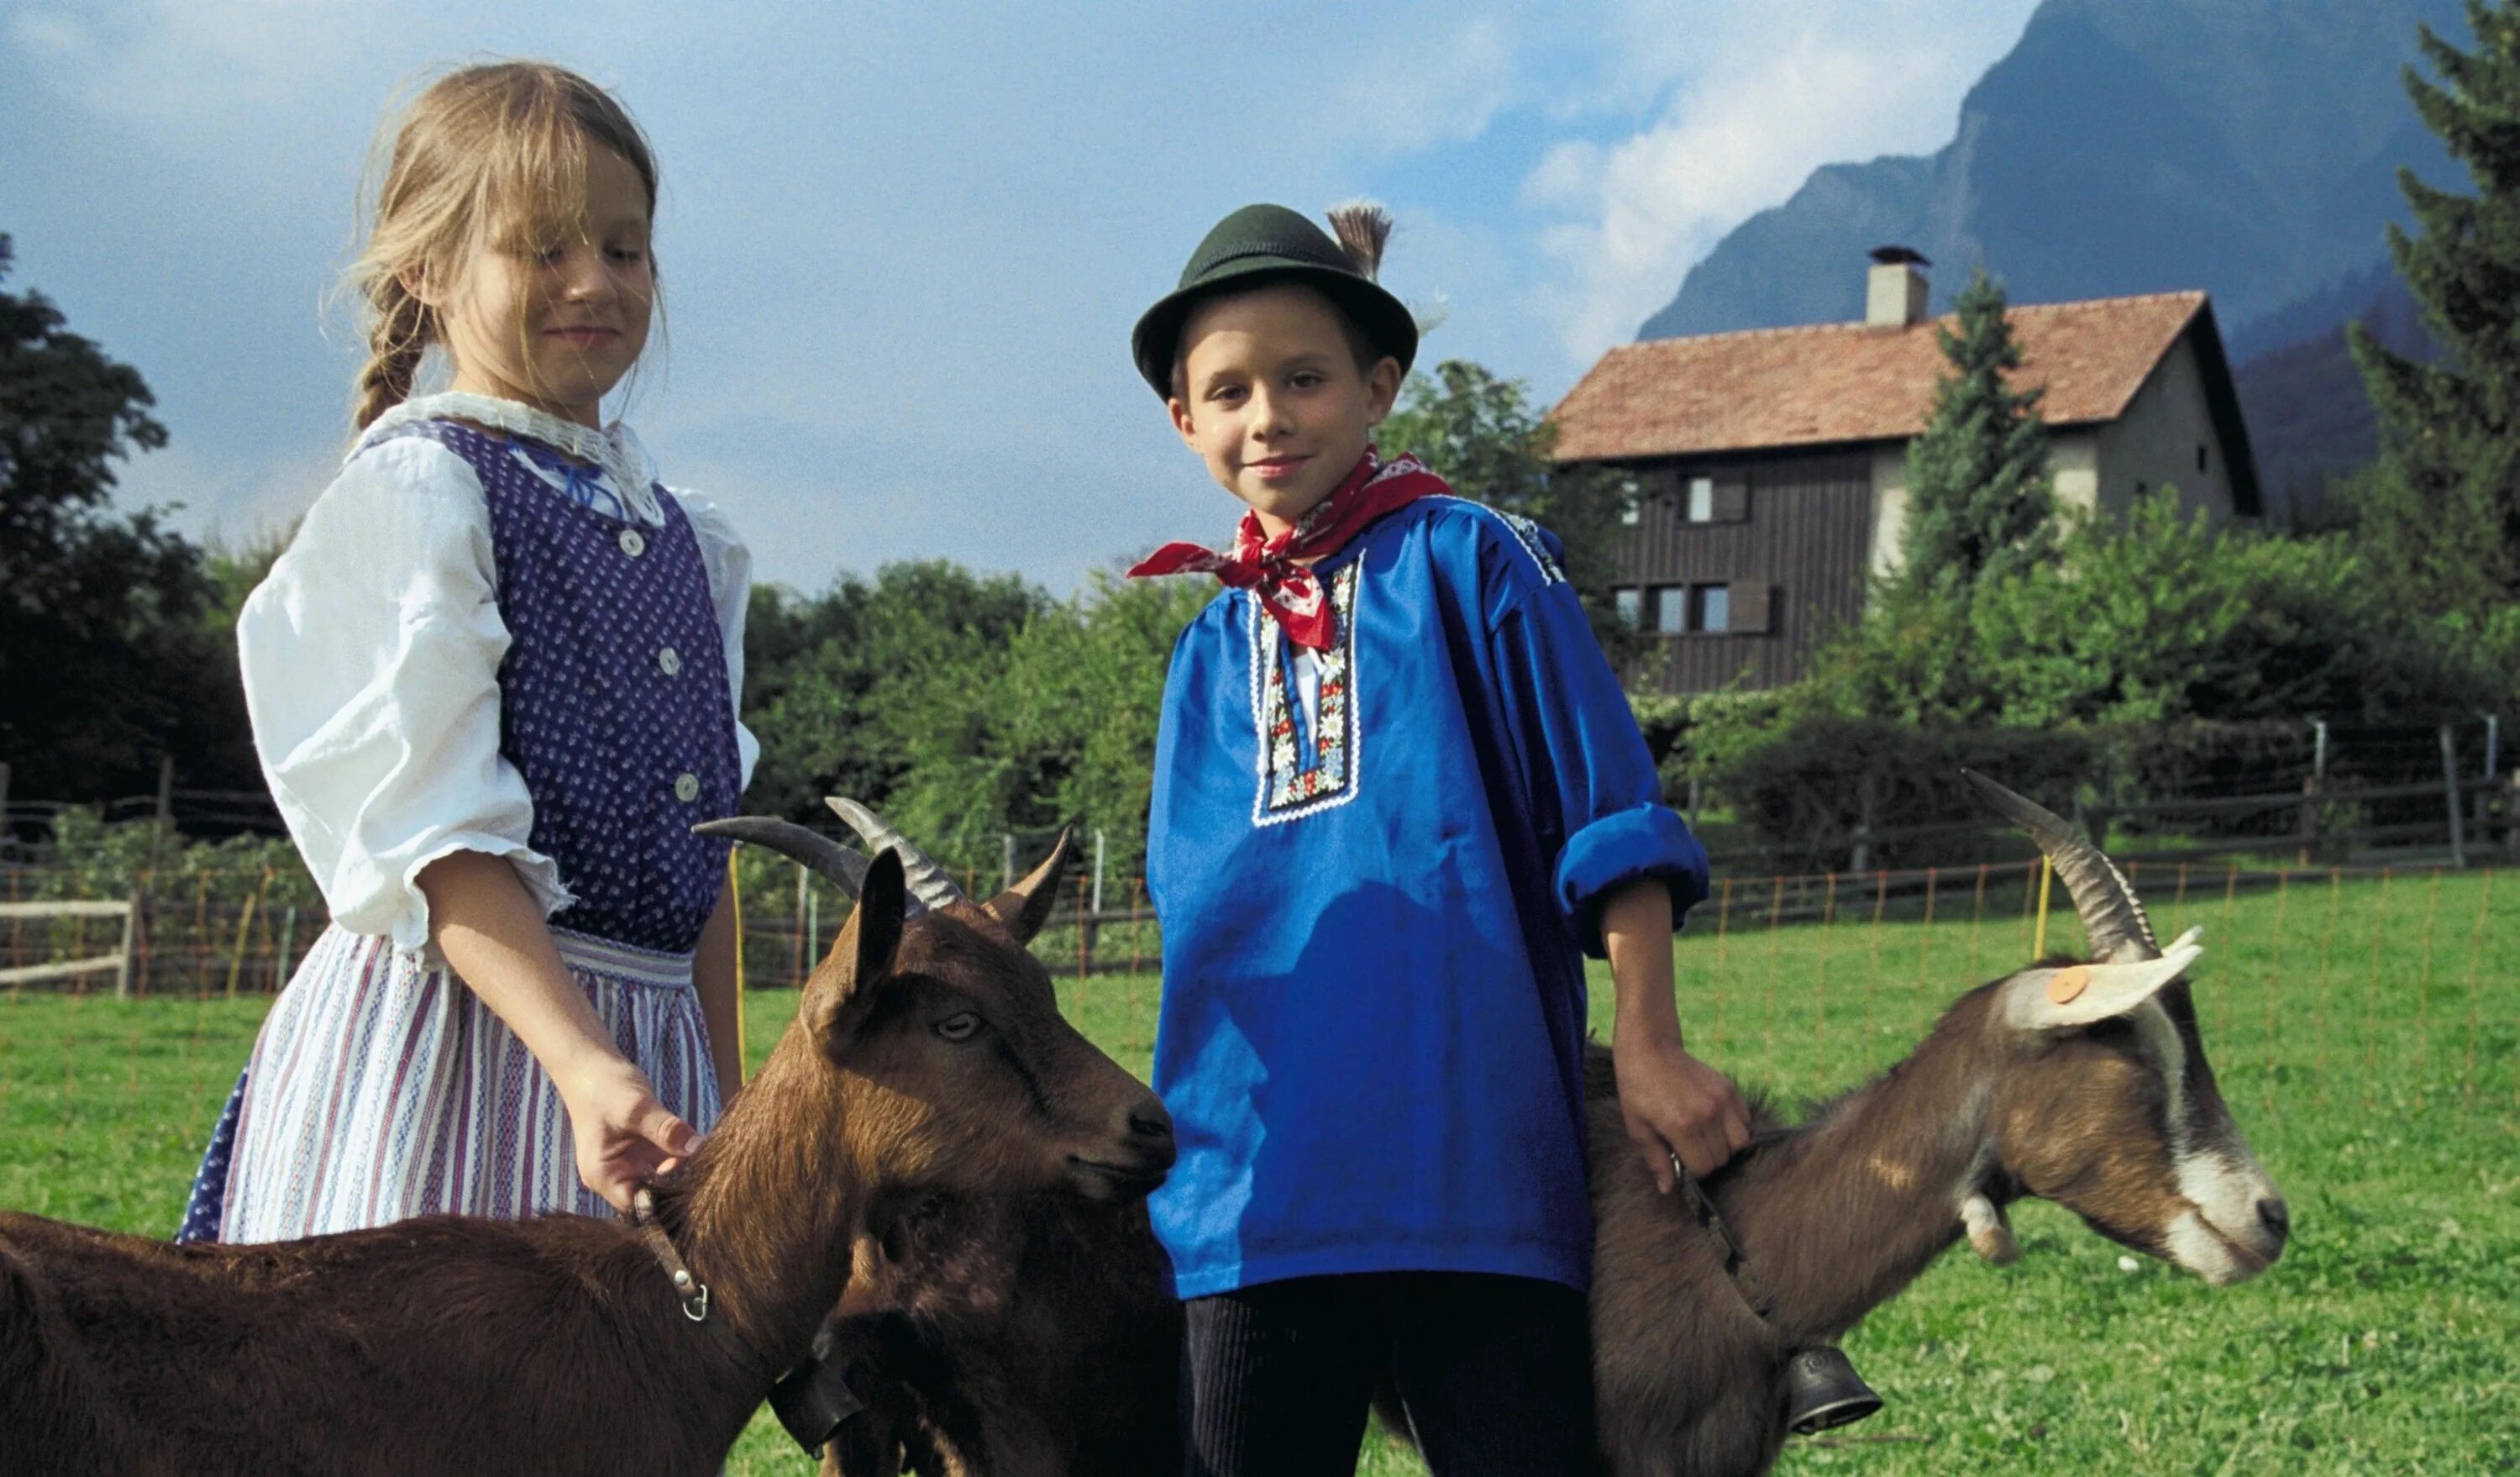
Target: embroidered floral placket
(1306, 766)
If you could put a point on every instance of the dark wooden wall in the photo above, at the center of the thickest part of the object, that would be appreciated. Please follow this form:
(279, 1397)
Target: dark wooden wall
(1805, 532)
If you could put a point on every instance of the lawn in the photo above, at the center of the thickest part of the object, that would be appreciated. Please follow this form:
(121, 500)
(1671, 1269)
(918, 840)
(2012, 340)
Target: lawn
(2365, 1036)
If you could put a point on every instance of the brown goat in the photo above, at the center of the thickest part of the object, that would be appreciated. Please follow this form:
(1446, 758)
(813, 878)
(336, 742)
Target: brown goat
(1017, 1336)
(927, 1054)
(2085, 1085)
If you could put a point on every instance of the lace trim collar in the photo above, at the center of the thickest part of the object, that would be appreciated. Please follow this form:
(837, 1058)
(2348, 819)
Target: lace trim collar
(616, 449)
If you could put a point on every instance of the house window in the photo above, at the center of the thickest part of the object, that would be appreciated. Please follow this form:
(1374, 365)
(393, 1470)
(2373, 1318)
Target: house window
(1712, 609)
(1631, 501)
(1701, 500)
(1671, 610)
(1630, 605)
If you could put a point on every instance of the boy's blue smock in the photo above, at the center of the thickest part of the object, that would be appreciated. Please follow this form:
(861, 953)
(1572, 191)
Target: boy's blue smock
(1374, 925)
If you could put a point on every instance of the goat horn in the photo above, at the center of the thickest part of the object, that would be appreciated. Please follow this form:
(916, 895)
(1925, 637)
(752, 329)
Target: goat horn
(810, 849)
(2112, 919)
(928, 882)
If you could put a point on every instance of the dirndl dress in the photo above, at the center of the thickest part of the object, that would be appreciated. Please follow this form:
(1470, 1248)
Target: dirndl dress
(532, 656)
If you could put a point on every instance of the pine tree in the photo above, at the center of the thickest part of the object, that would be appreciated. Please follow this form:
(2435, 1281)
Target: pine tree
(1980, 501)
(2441, 516)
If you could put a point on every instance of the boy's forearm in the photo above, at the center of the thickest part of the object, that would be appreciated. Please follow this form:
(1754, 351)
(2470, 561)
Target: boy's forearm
(494, 939)
(713, 978)
(1635, 928)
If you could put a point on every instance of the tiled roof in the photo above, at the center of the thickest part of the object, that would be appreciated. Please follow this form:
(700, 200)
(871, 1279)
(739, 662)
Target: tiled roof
(1846, 381)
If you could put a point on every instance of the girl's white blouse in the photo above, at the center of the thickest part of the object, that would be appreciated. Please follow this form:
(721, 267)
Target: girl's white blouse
(371, 655)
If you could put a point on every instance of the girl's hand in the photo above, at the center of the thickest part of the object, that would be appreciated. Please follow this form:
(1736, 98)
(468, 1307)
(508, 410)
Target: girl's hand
(1675, 1104)
(624, 1134)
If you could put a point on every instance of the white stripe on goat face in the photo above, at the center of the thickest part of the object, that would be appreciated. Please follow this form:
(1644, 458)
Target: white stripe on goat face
(2222, 1238)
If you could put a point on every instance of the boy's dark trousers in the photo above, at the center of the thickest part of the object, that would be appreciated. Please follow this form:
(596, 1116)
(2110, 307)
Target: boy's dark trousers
(1495, 1372)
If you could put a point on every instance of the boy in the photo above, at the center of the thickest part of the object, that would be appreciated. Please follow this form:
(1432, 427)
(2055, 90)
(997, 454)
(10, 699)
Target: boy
(1398, 794)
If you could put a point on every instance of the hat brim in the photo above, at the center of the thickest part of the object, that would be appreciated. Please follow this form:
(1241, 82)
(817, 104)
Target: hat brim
(1385, 320)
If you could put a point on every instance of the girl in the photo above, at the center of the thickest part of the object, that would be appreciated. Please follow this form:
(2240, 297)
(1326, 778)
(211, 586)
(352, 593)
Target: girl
(493, 682)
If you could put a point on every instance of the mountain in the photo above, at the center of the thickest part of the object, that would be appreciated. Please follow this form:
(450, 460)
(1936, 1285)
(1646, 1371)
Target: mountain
(2247, 147)
(2302, 394)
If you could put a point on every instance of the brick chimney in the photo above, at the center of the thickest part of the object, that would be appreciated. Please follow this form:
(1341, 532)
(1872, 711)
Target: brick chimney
(1893, 291)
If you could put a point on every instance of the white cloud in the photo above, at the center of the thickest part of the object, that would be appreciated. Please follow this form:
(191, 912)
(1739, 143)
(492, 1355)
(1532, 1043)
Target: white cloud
(1761, 96)
(1419, 90)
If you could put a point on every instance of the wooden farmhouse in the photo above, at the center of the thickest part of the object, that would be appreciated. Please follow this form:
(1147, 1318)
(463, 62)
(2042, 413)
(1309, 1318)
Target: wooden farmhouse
(1770, 466)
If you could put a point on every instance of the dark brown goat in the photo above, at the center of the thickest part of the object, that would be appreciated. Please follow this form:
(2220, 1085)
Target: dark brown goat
(1017, 1336)
(927, 1054)
(2085, 1085)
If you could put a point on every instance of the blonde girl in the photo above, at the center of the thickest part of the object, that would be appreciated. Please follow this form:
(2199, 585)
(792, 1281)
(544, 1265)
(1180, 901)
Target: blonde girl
(493, 685)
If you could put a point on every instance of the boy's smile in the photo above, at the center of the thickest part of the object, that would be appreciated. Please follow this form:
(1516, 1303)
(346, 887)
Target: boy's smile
(1271, 396)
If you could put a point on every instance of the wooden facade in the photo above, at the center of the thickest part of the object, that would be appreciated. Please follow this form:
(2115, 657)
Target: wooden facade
(1786, 536)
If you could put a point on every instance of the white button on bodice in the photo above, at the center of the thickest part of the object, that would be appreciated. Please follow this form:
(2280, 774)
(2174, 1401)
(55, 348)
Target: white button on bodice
(670, 662)
(633, 542)
(686, 788)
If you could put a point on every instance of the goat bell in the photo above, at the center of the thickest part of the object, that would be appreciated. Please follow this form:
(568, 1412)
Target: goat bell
(1823, 1391)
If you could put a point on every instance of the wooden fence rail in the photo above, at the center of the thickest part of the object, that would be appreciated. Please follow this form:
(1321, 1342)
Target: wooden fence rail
(120, 960)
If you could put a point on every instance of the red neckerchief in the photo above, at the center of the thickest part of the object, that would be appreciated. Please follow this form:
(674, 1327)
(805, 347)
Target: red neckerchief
(1267, 567)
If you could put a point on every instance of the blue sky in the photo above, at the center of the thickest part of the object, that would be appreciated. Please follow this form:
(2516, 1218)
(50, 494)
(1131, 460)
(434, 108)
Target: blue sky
(903, 244)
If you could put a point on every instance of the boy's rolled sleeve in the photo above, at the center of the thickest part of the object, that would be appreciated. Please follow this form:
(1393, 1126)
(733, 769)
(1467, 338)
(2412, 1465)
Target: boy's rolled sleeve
(1592, 781)
(1626, 846)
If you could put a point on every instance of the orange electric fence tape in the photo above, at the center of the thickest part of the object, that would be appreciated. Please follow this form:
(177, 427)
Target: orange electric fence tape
(2327, 969)
(2371, 997)
(2274, 972)
(2475, 984)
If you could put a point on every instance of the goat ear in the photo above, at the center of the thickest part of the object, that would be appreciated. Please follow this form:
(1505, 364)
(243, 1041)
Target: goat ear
(1026, 907)
(2060, 1000)
(861, 954)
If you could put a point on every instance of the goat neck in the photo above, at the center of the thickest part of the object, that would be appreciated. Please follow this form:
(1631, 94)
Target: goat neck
(765, 1211)
(1836, 1216)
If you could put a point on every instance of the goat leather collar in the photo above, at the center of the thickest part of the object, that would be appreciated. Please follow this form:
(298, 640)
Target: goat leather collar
(813, 1400)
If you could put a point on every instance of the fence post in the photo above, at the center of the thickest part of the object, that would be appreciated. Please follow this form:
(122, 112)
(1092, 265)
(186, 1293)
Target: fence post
(130, 927)
(1098, 869)
(2450, 795)
(4, 805)
(1862, 860)
(1006, 860)
(2483, 798)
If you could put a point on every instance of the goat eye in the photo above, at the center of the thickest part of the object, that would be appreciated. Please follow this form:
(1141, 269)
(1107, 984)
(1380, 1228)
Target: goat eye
(961, 1026)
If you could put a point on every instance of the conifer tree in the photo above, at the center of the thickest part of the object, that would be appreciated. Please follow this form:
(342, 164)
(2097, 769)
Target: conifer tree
(1980, 501)
(2441, 516)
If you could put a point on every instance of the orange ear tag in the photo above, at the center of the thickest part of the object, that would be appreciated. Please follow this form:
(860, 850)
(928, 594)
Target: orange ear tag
(2067, 983)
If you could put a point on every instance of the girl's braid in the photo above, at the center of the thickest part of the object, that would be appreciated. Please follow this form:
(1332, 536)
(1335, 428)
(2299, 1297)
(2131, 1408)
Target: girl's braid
(398, 337)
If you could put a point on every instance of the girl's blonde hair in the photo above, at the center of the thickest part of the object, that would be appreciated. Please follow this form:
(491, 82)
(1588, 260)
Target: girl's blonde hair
(487, 155)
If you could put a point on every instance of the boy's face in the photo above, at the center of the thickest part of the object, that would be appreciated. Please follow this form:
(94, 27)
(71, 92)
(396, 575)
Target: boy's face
(1271, 399)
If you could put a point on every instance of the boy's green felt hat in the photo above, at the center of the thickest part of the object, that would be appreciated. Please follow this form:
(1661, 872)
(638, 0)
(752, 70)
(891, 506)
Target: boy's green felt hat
(1251, 247)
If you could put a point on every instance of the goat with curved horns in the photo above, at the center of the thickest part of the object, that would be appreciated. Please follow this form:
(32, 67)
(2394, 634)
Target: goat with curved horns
(2083, 1082)
(927, 1056)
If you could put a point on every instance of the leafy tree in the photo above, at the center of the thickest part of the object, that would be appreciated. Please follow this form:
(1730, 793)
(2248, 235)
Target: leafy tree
(108, 655)
(2441, 520)
(853, 692)
(1484, 436)
(1980, 501)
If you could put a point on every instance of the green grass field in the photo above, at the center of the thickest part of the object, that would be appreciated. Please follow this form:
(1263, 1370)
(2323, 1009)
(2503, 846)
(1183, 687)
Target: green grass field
(2365, 1039)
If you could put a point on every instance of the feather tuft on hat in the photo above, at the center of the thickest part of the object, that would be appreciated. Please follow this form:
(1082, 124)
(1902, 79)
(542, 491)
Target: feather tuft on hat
(1362, 227)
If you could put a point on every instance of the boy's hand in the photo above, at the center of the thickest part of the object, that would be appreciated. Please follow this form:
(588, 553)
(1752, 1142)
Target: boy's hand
(1675, 1104)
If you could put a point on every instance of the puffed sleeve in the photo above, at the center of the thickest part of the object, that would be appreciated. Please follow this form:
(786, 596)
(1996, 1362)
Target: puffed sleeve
(1581, 751)
(371, 658)
(730, 578)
